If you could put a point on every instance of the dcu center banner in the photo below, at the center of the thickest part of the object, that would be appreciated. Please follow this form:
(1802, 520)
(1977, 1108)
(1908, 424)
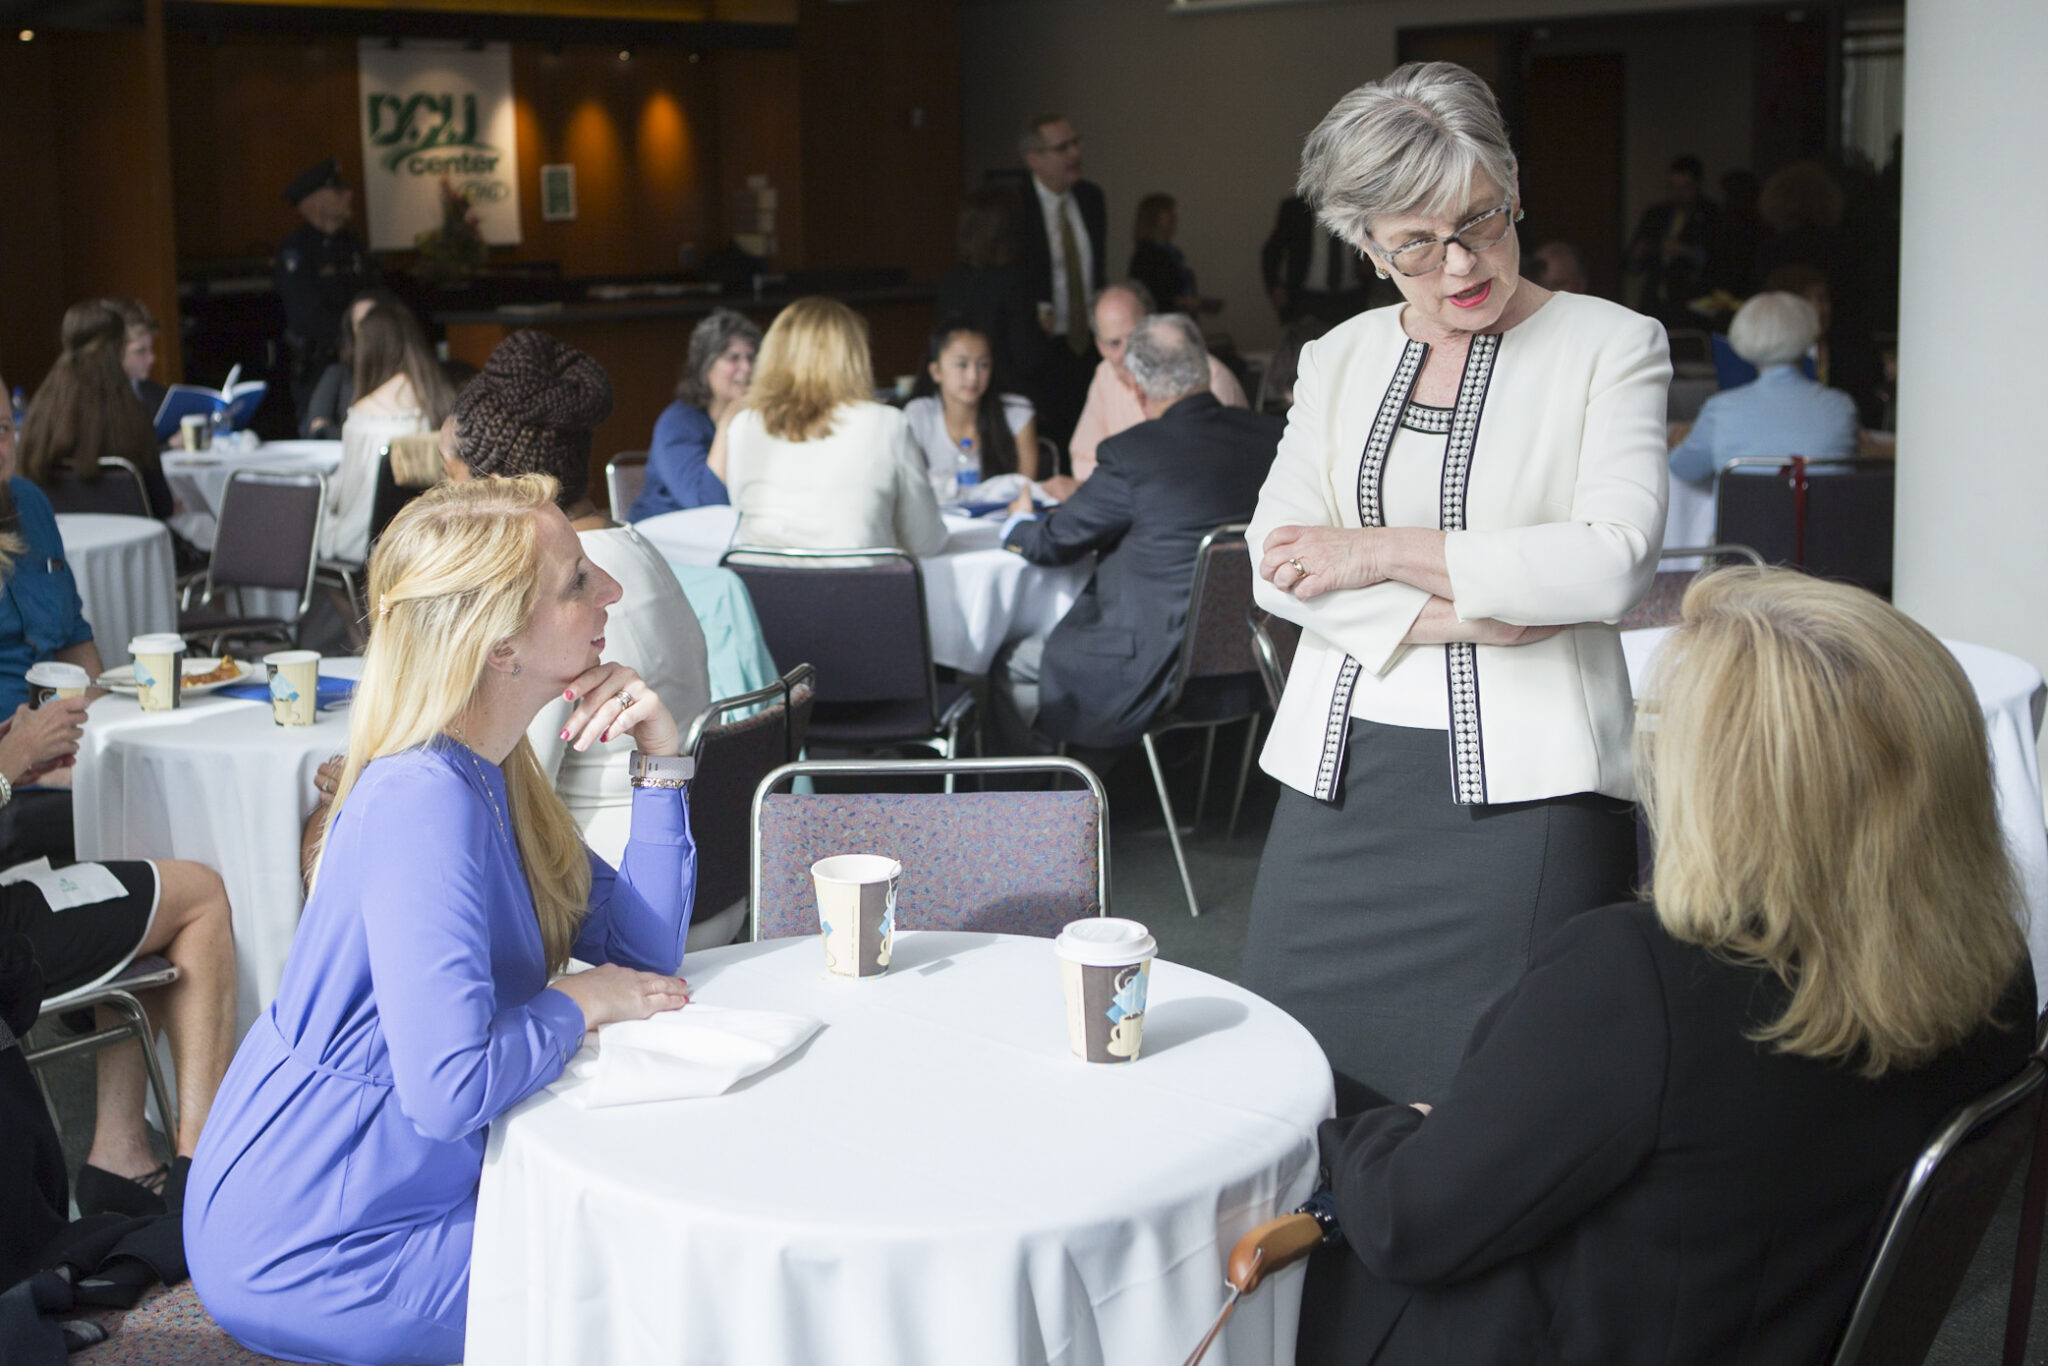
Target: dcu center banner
(432, 113)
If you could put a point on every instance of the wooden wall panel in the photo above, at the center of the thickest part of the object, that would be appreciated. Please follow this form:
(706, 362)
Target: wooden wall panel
(32, 226)
(760, 132)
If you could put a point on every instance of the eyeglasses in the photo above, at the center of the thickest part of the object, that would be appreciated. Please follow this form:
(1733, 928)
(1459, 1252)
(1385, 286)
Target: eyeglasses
(1422, 257)
(1072, 144)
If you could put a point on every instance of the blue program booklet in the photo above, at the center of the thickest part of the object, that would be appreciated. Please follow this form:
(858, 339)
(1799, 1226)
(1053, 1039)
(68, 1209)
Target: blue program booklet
(232, 405)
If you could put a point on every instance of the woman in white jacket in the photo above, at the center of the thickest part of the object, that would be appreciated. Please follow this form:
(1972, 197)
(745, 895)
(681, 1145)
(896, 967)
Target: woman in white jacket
(1470, 491)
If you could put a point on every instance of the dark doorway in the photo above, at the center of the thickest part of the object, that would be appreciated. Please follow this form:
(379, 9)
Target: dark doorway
(1572, 126)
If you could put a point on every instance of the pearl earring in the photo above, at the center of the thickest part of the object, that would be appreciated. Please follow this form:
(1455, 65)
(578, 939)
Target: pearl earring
(1381, 273)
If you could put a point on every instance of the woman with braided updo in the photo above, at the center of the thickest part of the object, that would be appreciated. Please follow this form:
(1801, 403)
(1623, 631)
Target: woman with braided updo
(331, 1205)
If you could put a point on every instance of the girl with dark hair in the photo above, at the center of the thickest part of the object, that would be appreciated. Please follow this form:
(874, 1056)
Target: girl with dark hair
(987, 289)
(85, 408)
(960, 422)
(402, 391)
(337, 387)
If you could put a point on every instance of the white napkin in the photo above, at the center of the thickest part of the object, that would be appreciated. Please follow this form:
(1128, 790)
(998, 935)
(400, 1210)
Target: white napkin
(81, 884)
(679, 1055)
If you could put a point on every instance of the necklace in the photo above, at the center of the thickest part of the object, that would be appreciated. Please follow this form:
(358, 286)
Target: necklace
(504, 825)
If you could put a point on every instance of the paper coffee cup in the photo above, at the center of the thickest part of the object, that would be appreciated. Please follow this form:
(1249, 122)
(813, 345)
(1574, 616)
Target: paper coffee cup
(50, 679)
(1106, 964)
(197, 430)
(294, 686)
(159, 664)
(857, 911)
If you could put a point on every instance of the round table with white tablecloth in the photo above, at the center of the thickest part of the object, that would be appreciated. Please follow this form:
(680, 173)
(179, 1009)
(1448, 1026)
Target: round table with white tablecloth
(978, 596)
(219, 782)
(2012, 696)
(933, 1178)
(200, 479)
(126, 577)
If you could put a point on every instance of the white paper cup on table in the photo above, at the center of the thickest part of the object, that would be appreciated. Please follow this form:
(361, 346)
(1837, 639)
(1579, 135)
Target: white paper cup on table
(294, 686)
(51, 679)
(198, 430)
(857, 911)
(159, 665)
(1106, 964)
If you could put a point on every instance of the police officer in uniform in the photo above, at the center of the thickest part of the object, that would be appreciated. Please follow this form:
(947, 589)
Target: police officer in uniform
(320, 268)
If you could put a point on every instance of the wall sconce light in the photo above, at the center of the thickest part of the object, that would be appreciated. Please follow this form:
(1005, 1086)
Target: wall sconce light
(625, 54)
(28, 35)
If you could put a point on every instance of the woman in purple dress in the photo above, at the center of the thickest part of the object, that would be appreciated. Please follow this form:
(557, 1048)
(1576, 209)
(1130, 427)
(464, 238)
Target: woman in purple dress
(332, 1201)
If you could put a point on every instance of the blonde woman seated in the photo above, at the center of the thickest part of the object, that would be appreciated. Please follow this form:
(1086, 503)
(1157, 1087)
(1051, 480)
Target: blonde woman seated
(1672, 1140)
(811, 461)
(330, 1207)
(401, 391)
(531, 411)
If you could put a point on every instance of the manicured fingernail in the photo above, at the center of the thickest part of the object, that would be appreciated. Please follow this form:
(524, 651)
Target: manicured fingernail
(565, 732)
(604, 737)
(568, 694)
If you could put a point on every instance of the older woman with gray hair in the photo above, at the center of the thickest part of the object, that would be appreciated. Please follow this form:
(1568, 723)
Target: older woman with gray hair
(715, 379)
(1470, 492)
(1781, 412)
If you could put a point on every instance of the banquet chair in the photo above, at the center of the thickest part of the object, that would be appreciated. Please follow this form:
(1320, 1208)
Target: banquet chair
(859, 617)
(118, 995)
(1832, 519)
(1944, 1203)
(119, 490)
(1216, 681)
(407, 466)
(737, 742)
(268, 538)
(1007, 862)
(1274, 640)
(1659, 606)
(625, 474)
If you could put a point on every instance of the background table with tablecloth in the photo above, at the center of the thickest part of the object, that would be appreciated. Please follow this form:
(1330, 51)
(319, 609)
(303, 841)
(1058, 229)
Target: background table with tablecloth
(126, 577)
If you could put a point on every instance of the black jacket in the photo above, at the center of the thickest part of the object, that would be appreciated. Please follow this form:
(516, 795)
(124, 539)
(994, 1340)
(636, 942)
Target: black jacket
(1034, 251)
(1001, 307)
(1157, 489)
(1619, 1175)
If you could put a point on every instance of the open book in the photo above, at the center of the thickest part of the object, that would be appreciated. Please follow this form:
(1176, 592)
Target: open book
(235, 403)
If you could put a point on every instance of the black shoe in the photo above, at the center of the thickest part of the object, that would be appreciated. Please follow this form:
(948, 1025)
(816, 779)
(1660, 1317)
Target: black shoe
(101, 1192)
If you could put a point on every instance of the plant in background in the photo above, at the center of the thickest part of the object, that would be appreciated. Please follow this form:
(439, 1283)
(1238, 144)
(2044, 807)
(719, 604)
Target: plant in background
(456, 249)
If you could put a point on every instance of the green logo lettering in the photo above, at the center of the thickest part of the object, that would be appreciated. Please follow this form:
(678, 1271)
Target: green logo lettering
(402, 127)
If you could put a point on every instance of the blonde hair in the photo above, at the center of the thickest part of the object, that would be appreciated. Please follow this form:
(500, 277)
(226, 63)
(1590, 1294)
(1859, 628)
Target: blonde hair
(454, 576)
(813, 358)
(1815, 770)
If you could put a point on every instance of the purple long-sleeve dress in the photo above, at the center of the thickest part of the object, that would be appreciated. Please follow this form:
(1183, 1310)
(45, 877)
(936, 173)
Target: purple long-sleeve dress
(330, 1207)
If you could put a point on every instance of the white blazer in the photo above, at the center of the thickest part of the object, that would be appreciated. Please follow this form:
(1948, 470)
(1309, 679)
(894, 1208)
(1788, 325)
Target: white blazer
(1554, 487)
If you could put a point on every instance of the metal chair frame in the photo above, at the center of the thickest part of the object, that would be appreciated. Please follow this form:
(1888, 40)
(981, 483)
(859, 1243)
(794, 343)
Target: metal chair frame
(1158, 728)
(208, 588)
(947, 768)
(945, 727)
(145, 973)
(623, 460)
(1272, 669)
(1904, 1218)
(768, 693)
(111, 463)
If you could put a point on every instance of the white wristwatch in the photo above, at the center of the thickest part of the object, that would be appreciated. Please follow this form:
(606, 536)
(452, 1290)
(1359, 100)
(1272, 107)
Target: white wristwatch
(661, 770)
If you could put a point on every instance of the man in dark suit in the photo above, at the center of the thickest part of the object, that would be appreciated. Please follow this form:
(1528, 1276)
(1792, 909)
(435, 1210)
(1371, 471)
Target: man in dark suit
(1673, 246)
(1309, 272)
(1103, 673)
(1063, 240)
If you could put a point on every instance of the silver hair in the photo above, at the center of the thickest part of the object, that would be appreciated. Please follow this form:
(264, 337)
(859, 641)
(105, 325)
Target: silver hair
(1168, 357)
(1774, 328)
(708, 339)
(1031, 137)
(1147, 305)
(1409, 143)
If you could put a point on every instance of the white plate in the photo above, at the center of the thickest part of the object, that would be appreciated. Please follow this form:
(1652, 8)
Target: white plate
(122, 680)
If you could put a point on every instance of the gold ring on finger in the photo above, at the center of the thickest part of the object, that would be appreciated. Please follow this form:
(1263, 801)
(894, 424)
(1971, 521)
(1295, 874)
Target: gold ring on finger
(1299, 567)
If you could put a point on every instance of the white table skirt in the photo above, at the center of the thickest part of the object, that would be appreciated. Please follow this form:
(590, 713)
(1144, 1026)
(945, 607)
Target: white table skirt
(934, 1178)
(126, 577)
(200, 480)
(2007, 689)
(219, 782)
(978, 596)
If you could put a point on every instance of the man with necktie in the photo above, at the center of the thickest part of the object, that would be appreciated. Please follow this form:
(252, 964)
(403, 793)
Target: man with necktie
(1065, 230)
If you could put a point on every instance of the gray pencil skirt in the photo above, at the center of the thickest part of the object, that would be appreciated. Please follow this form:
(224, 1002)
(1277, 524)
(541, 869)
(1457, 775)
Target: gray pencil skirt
(1389, 921)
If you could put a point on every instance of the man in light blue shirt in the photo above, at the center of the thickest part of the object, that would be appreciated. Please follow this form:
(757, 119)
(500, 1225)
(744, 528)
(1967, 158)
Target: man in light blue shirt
(1781, 413)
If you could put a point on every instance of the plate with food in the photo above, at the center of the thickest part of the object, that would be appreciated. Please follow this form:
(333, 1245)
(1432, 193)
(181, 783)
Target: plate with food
(202, 674)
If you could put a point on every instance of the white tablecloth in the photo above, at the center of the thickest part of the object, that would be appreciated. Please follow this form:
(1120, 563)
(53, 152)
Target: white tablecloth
(217, 781)
(200, 480)
(934, 1178)
(978, 596)
(126, 577)
(2008, 689)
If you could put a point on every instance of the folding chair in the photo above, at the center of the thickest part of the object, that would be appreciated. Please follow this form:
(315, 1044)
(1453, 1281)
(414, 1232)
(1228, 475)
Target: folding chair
(1831, 518)
(858, 616)
(406, 468)
(118, 491)
(625, 474)
(1926, 1243)
(1216, 681)
(268, 538)
(1274, 641)
(118, 994)
(1010, 862)
(737, 741)
(1659, 606)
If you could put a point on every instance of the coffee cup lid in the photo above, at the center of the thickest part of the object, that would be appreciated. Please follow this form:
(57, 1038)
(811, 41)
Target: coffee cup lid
(860, 868)
(292, 657)
(51, 673)
(166, 643)
(1106, 942)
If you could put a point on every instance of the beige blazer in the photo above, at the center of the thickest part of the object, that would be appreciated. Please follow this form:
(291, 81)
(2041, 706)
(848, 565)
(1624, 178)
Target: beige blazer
(1553, 500)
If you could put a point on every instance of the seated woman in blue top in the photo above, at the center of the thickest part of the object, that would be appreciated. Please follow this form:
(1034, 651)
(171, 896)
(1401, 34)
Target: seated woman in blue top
(715, 379)
(1778, 414)
(331, 1206)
